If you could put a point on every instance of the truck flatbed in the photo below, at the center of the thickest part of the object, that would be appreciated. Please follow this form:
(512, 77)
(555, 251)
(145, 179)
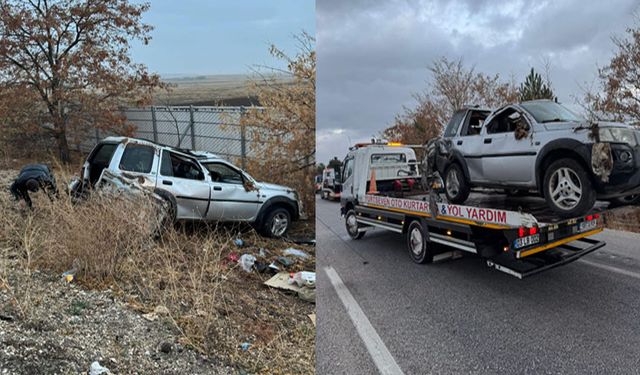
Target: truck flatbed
(531, 210)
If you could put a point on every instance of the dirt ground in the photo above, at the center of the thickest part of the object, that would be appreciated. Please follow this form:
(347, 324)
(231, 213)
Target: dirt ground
(143, 323)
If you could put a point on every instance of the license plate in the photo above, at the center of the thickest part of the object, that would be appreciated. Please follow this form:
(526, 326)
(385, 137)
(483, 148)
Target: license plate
(587, 226)
(526, 241)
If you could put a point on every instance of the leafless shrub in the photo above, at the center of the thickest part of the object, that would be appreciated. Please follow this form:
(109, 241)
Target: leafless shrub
(212, 304)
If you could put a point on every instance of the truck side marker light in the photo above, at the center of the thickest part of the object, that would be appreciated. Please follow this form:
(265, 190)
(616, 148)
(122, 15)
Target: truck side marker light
(448, 233)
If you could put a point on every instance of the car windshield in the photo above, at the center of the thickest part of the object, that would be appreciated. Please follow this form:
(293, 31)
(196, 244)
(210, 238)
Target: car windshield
(548, 111)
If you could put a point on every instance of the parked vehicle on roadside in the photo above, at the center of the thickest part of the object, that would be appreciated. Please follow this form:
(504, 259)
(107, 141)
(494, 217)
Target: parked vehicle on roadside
(331, 186)
(195, 185)
(540, 146)
(317, 184)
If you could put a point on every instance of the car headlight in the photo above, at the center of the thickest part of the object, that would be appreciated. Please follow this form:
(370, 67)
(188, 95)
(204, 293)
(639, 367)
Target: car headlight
(619, 135)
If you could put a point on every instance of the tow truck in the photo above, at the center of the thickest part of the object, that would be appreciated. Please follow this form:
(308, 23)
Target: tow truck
(382, 188)
(331, 186)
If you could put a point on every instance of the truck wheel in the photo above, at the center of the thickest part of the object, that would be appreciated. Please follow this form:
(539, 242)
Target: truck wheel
(568, 189)
(417, 243)
(456, 186)
(352, 225)
(277, 223)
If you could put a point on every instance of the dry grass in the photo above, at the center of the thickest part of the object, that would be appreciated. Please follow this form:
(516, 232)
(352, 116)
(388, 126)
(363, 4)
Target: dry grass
(624, 218)
(213, 304)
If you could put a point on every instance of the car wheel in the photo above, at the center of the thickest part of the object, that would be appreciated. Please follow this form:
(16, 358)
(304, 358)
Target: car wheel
(277, 223)
(568, 189)
(456, 186)
(417, 243)
(351, 223)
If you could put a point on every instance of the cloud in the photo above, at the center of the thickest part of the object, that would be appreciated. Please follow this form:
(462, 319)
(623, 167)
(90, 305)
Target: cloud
(373, 55)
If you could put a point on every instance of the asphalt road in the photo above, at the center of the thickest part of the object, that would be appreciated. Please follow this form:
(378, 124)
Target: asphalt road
(460, 316)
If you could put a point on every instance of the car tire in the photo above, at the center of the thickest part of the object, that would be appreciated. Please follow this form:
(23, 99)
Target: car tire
(456, 187)
(417, 243)
(352, 226)
(566, 181)
(276, 223)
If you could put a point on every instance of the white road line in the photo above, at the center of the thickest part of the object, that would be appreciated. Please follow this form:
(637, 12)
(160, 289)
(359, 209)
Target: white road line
(377, 350)
(612, 269)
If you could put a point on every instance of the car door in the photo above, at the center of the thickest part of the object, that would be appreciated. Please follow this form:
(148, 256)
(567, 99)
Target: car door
(469, 143)
(230, 199)
(184, 178)
(507, 160)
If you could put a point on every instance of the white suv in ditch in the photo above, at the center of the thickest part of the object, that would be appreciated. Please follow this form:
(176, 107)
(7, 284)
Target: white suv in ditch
(197, 185)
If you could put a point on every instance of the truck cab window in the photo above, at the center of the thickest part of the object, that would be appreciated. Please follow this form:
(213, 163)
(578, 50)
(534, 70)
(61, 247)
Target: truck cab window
(137, 158)
(223, 173)
(348, 169)
(388, 158)
(174, 165)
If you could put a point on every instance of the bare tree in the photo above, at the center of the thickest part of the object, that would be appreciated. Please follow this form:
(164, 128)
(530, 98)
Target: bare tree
(74, 54)
(451, 87)
(283, 134)
(616, 96)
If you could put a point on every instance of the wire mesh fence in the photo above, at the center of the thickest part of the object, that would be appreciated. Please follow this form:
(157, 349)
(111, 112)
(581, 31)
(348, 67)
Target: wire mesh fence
(214, 129)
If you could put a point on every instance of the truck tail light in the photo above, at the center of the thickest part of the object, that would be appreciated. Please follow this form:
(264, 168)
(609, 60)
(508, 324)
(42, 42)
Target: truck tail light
(523, 231)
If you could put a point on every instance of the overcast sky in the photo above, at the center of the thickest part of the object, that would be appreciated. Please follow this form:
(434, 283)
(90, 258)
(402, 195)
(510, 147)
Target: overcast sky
(202, 37)
(372, 55)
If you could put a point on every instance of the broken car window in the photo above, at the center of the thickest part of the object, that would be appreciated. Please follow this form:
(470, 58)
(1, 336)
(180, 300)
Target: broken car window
(507, 122)
(176, 165)
(223, 173)
(103, 154)
(454, 124)
(474, 123)
(137, 158)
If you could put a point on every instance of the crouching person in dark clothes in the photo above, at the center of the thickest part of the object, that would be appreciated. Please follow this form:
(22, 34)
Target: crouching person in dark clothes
(31, 178)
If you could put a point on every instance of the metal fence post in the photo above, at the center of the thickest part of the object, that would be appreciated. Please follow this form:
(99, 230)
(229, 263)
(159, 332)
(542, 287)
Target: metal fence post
(154, 124)
(193, 128)
(243, 140)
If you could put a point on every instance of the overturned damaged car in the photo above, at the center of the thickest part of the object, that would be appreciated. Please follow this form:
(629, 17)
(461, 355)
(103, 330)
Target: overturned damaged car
(192, 185)
(538, 146)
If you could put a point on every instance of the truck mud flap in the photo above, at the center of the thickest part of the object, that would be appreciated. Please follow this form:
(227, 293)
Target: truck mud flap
(547, 260)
